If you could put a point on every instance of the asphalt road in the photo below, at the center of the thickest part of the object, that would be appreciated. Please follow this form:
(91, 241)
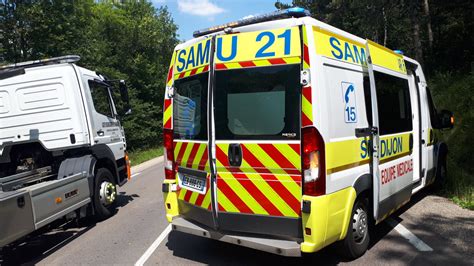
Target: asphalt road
(443, 227)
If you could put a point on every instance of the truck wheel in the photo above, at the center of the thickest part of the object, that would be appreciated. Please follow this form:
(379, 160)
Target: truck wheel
(357, 238)
(105, 194)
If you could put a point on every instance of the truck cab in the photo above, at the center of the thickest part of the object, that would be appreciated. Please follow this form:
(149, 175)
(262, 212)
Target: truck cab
(62, 146)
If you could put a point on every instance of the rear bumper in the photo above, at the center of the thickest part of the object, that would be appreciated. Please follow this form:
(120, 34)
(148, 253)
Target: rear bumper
(277, 246)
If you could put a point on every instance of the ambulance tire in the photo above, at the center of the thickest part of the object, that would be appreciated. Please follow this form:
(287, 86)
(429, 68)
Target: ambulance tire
(442, 175)
(357, 239)
(103, 210)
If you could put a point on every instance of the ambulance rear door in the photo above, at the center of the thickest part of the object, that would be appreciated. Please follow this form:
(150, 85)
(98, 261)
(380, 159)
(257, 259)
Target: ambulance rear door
(257, 98)
(190, 128)
(392, 119)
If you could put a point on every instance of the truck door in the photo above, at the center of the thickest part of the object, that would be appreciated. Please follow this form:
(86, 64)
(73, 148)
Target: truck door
(106, 127)
(257, 132)
(392, 116)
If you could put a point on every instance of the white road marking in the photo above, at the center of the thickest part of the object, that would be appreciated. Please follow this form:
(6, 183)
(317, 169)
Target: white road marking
(135, 174)
(153, 246)
(403, 231)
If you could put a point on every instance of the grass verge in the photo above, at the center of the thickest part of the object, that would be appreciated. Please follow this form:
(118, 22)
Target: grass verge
(459, 187)
(139, 156)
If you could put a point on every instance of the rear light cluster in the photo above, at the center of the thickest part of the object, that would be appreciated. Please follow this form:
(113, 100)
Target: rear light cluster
(314, 167)
(170, 170)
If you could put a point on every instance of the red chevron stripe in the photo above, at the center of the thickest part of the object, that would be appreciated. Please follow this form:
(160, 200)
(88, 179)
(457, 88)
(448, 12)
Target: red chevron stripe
(246, 64)
(277, 61)
(276, 155)
(168, 103)
(200, 199)
(305, 121)
(250, 187)
(306, 91)
(219, 206)
(167, 124)
(193, 71)
(194, 150)
(187, 196)
(181, 75)
(170, 74)
(203, 161)
(232, 196)
(306, 54)
(295, 147)
(281, 190)
(206, 68)
(220, 66)
(181, 152)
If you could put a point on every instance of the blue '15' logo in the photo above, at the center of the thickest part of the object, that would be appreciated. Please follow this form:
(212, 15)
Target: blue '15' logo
(349, 99)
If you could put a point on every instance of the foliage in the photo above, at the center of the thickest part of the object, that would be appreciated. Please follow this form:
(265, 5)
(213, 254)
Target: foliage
(139, 156)
(128, 40)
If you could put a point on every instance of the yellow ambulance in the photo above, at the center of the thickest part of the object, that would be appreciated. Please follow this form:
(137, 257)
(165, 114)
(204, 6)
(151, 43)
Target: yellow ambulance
(285, 134)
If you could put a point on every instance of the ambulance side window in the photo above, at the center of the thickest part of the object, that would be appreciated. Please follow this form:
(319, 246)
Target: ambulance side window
(432, 108)
(393, 104)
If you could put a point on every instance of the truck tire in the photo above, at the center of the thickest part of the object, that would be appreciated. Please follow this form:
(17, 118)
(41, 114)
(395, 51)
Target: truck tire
(105, 194)
(357, 239)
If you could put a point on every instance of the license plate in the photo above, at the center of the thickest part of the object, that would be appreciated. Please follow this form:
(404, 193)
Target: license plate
(192, 183)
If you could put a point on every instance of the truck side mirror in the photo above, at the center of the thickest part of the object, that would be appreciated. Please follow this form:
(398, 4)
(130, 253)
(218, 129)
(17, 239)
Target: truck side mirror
(124, 96)
(445, 119)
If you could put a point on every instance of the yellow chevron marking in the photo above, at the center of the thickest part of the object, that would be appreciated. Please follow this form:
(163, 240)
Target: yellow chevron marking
(243, 193)
(186, 154)
(225, 202)
(199, 154)
(268, 191)
(290, 154)
(207, 199)
(193, 198)
(182, 192)
(292, 60)
(307, 108)
(266, 160)
(261, 63)
(168, 113)
(177, 147)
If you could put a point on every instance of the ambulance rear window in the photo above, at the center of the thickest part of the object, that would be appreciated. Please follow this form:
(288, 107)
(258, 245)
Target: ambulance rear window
(258, 103)
(190, 108)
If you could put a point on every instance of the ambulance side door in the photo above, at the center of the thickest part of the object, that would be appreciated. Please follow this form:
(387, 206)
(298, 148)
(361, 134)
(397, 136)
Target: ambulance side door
(392, 116)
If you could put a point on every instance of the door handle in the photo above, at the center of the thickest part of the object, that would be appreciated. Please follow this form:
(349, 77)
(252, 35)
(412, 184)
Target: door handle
(235, 154)
(366, 132)
(410, 142)
(100, 133)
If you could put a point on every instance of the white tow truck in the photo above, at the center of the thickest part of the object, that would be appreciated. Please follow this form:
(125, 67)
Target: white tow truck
(62, 147)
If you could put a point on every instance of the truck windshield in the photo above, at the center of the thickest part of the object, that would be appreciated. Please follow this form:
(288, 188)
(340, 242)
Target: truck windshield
(190, 107)
(258, 103)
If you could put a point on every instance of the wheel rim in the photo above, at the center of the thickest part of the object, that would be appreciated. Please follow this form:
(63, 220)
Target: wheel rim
(359, 225)
(107, 193)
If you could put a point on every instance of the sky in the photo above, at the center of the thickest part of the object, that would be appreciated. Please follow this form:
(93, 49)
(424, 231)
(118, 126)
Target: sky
(191, 15)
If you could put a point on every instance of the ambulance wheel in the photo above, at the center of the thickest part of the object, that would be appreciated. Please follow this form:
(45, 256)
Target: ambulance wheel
(357, 238)
(105, 194)
(442, 175)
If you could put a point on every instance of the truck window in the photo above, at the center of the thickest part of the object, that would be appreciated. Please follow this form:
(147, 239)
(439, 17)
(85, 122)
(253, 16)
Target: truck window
(258, 103)
(101, 98)
(393, 103)
(190, 107)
